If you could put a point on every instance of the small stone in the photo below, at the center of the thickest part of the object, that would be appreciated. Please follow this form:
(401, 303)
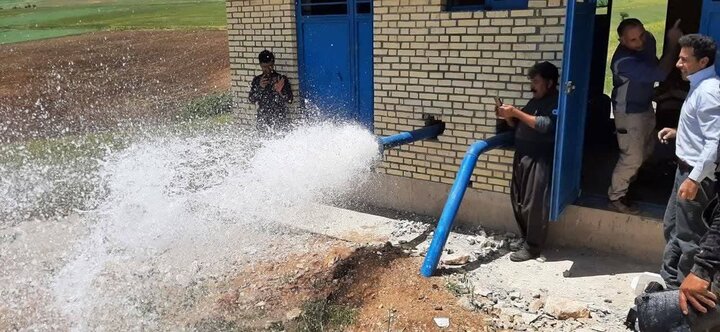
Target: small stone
(536, 305)
(471, 241)
(449, 251)
(438, 307)
(380, 306)
(442, 322)
(537, 295)
(293, 314)
(608, 301)
(529, 318)
(465, 303)
(483, 292)
(562, 308)
(567, 274)
(260, 304)
(421, 297)
(514, 295)
(457, 260)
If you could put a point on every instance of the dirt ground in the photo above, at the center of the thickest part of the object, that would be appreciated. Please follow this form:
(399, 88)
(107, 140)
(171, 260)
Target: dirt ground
(348, 288)
(98, 80)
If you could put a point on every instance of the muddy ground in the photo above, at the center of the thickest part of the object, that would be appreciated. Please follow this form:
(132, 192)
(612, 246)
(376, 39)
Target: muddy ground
(99, 80)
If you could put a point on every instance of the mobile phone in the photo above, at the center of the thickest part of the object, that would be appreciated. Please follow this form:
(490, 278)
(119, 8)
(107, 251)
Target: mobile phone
(498, 101)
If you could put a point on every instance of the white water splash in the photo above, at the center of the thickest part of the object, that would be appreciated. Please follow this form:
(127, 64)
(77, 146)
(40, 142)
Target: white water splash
(177, 212)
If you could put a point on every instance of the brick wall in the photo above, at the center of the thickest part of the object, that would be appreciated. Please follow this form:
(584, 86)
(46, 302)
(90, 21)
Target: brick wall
(427, 60)
(452, 64)
(255, 25)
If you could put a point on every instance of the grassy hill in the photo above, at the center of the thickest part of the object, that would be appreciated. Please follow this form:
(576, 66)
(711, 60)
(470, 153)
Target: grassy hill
(54, 18)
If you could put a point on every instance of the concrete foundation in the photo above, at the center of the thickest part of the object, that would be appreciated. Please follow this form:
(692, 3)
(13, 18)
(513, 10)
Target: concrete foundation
(606, 231)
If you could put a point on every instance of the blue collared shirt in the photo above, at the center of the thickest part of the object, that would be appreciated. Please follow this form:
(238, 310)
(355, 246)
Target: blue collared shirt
(699, 128)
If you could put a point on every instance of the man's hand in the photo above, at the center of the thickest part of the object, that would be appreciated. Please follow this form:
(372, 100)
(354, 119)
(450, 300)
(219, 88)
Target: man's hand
(674, 34)
(666, 134)
(264, 81)
(688, 190)
(279, 85)
(506, 112)
(695, 290)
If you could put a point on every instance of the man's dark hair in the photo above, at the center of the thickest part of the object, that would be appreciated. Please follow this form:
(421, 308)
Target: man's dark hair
(627, 23)
(266, 57)
(546, 70)
(703, 46)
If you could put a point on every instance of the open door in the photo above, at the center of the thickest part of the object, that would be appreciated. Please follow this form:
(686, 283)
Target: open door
(572, 106)
(710, 22)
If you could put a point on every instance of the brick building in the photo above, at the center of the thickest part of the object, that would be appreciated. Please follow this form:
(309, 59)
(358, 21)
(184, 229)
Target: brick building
(390, 63)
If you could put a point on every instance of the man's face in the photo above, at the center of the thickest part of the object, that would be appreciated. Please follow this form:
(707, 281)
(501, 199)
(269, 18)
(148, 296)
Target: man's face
(267, 68)
(633, 38)
(689, 64)
(540, 86)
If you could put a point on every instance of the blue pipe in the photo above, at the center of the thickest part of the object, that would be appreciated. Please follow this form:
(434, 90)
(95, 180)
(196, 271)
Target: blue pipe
(412, 136)
(432, 258)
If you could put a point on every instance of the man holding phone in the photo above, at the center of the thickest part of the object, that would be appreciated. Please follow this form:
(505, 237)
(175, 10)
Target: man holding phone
(272, 93)
(533, 161)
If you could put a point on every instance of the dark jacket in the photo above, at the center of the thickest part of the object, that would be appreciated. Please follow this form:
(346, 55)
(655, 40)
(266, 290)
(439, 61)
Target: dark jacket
(707, 261)
(634, 77)
(272, 105)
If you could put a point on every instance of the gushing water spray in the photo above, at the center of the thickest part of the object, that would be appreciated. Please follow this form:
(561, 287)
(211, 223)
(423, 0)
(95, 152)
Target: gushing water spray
(162, 218)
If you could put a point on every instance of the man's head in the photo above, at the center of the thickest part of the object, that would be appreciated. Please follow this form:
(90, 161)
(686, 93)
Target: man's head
(632, 34)
(267, 61)
(543, 79)
(697, 53)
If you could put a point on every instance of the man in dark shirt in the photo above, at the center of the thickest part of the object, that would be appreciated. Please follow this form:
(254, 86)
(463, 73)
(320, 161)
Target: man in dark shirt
(695, 288)
(533, 161)
(272, 93)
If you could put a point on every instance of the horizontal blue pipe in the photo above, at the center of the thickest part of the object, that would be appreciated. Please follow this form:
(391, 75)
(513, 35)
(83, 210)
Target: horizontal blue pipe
(432, 258)
(412, 136)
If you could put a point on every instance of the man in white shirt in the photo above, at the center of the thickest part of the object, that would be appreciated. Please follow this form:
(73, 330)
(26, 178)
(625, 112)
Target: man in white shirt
(696, 148)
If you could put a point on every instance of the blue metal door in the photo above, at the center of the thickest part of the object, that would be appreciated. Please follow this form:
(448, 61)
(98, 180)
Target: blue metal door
(572, 104)
(335, 58)
(710, 23)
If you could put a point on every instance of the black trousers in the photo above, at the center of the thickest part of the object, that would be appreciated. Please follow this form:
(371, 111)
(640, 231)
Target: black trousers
(530, 195)
(683, 227)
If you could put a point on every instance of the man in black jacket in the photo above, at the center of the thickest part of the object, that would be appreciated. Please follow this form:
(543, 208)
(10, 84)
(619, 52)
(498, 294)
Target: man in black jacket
(695, 288)
(272, 93)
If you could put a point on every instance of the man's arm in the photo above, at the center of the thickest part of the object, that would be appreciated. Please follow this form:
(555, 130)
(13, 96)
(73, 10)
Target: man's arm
(287, 91)
(543, 124)
(707, 261)
(255, 92)
(708, 104)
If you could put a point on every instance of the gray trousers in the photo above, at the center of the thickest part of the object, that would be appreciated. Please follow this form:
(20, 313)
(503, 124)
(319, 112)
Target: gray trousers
(636, 139)
(683, 228)
(530, 195)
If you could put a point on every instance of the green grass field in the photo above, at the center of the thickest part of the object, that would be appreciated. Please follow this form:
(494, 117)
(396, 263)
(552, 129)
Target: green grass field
(651, 12)
(55, 18)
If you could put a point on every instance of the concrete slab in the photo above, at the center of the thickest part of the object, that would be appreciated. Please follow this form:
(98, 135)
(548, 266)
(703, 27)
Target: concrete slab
(352, 226)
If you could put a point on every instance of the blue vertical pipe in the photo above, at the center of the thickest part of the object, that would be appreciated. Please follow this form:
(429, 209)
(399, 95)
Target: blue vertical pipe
(432, 258)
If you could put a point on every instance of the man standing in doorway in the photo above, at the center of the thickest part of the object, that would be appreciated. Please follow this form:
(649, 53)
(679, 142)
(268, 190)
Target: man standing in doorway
(696, 148)
(272, 92)
(532, 164)
(635, 69)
